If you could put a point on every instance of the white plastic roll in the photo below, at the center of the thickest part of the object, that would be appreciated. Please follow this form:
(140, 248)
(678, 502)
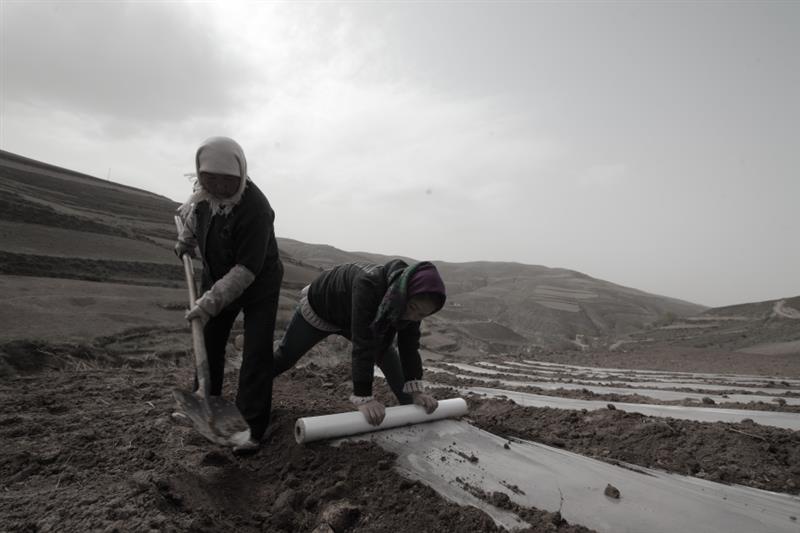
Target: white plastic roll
(313, 428)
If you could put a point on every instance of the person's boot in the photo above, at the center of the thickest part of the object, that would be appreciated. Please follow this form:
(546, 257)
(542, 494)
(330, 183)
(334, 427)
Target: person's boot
(243, 443)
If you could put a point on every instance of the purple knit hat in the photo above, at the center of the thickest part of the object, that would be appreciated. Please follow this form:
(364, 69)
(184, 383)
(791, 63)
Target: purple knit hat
(426, 280)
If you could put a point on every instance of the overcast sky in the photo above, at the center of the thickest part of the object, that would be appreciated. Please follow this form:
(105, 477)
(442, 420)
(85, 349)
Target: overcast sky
(652, 145)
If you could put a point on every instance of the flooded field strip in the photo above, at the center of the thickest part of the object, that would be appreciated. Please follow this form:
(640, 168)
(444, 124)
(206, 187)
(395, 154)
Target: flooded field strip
(717, 379)
(699, 414)
(448, 455)
(696, 386)
(488, 371)
(636, 375)
(539, 366)
(656, 394)
(701, 375)
(517, 367)
(634, 384)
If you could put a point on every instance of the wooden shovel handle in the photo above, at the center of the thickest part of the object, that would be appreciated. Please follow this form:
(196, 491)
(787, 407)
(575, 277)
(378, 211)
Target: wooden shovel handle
(198, 340)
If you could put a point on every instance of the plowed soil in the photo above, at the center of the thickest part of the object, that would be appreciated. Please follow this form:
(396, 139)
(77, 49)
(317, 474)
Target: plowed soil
(88, 443)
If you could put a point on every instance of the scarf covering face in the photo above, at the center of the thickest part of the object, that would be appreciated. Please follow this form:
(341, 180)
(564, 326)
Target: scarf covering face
(219, 155)
(393, 305)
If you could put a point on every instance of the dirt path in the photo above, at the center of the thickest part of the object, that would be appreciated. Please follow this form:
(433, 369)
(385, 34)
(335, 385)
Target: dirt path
(781, 309)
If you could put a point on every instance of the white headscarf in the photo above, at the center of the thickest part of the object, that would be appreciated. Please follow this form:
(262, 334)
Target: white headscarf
(219, 155)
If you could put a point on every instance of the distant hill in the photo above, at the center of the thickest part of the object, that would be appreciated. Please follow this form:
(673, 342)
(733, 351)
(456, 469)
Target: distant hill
(58, 223)
(767, 328)
(74, 248)
(507, 307)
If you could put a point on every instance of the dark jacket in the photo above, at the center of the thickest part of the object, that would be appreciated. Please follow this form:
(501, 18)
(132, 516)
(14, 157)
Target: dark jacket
(245, 237)
(348, 296)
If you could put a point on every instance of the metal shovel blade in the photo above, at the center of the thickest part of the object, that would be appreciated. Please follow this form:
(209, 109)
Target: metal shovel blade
(217, 419)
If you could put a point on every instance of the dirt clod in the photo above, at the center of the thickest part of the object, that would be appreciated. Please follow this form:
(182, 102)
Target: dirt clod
(140, 481)
(334, 492)
(611, 491)
(500, 499)
(340, 515)
(215, 459)
(286, 500)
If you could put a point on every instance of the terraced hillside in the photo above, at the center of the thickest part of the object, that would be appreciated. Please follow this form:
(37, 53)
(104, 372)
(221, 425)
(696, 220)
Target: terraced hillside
(74, 249)
(510, 307)
(56, 223)
(767, 328)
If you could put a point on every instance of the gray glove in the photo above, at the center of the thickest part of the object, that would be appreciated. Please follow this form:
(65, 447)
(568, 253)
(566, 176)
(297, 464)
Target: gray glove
(198, 313)
(425, 400)
(226, 290)
(373, 411)
(184, 248)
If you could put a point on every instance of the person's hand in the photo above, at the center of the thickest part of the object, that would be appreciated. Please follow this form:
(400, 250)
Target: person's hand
(198, 313)
(425, 400)
(373, 411)
(183, 248)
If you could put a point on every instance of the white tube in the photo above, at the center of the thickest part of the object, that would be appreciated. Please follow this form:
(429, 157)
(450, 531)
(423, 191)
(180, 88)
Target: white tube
(313, 428)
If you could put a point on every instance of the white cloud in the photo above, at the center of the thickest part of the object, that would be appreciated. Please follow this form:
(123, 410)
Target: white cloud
(604, 175)
(133, 64)
(396, 128)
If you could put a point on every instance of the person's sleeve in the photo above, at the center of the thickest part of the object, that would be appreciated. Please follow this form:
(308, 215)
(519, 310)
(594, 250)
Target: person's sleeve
(226, 289)
(188, 234)
(365, 301)
(410, 359)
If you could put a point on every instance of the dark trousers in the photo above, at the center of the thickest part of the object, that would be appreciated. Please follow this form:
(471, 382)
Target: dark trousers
(254, 395)
(301, 336)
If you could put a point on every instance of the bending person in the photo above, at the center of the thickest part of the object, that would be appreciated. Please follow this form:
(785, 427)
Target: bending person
(370, 305)
(231, 221)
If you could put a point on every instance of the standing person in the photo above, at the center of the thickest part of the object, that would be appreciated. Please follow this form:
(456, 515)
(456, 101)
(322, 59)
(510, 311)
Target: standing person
(231, 222)
(370, 305)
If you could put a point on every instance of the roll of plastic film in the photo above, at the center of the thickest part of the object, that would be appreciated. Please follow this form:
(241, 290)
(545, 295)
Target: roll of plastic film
(312, 428)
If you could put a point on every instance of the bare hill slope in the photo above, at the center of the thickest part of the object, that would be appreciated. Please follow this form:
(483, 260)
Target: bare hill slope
(57, 223)
(766, 328)
(497, 307)
(73, 248)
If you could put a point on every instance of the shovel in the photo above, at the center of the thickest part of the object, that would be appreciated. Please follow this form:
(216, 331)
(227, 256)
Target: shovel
(212, 416)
